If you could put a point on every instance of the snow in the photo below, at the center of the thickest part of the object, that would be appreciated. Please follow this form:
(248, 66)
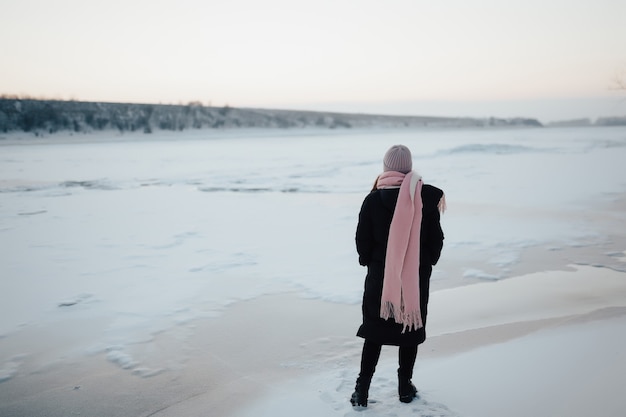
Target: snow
(137, 238)
(576, 369)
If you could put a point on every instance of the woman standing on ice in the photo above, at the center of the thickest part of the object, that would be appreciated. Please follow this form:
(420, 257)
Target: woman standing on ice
(399, 239)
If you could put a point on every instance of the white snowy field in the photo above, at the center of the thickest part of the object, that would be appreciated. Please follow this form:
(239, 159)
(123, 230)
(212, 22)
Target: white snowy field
(214, 273)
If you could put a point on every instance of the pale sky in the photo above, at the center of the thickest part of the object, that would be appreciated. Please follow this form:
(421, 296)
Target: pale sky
(549, 59)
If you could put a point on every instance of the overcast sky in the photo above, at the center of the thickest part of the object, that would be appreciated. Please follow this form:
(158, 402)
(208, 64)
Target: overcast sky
(550, 59)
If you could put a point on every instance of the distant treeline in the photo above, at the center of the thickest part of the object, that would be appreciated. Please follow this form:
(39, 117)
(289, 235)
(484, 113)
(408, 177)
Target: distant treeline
(51, 116)
(601, 121)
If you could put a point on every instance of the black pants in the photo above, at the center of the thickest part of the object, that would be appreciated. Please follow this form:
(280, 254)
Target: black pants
(371, 354)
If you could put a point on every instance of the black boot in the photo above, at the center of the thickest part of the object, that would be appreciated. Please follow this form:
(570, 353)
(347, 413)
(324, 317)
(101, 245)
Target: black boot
(369, 359)
(406, 358)
(406, 390)
(361, 391)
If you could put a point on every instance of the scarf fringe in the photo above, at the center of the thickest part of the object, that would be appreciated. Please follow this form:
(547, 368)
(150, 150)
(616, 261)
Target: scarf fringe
(410, 321)
(442, 206)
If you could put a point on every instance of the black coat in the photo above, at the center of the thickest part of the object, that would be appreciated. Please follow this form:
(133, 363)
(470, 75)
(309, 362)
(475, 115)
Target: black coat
(371, 243)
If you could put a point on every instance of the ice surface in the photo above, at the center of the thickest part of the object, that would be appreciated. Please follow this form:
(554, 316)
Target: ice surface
(153, 231)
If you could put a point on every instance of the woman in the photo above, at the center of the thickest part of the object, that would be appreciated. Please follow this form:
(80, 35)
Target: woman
(399, 239)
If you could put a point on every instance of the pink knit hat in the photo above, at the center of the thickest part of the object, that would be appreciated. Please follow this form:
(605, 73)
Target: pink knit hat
(398, 158)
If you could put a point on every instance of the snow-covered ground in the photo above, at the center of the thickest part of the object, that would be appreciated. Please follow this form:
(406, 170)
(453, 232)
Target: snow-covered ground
(573, 364)
(133, 237)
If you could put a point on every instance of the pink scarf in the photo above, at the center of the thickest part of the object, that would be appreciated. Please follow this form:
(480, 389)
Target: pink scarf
(401, 292)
